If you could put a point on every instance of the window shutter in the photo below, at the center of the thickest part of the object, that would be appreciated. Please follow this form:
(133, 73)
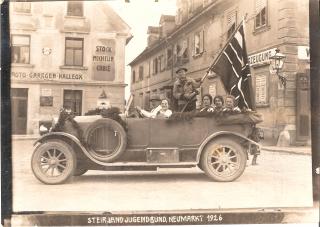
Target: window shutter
(232, 18)
(260, 4)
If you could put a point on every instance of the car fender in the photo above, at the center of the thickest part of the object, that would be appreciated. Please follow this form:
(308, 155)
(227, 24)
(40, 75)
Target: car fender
(222, 133)
(61, 135)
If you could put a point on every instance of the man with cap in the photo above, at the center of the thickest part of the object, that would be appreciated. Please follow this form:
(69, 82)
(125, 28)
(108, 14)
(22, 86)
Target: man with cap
(184, 91)
(154, 106)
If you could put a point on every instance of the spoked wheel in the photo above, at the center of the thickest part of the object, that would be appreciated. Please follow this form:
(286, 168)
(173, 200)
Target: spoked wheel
(53, 162)
(223, 160)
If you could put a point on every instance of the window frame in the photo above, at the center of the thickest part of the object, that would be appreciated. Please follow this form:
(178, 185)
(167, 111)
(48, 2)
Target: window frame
(74, 100)
(259, 14)
(231, 27)
(155, 69)
(75, 2)
(65, 51)
(201, 43)
(141, 69)
(21, 3)
(29, 45)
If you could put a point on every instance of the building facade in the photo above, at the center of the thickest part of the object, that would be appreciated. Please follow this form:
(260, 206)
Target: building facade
(64, 54)
(198, 33)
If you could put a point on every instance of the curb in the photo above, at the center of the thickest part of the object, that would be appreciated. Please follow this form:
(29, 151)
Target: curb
(288, 151)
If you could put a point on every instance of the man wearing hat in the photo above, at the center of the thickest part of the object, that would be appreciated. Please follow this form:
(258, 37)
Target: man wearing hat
(154, 106)
(184, 91)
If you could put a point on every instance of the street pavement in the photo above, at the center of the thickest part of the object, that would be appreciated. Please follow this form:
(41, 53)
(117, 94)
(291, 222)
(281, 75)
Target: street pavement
(280, 180)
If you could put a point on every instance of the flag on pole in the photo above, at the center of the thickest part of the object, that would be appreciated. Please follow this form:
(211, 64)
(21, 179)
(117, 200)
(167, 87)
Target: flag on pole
(233, 68)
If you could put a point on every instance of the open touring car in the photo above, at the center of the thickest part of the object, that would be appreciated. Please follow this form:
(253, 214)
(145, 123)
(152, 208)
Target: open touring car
(217, 145)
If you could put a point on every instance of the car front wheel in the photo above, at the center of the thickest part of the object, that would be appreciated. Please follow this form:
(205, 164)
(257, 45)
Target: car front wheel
(53, 162)
(223, 160)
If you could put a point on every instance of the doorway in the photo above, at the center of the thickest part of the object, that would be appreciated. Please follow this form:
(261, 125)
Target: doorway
(19, 97)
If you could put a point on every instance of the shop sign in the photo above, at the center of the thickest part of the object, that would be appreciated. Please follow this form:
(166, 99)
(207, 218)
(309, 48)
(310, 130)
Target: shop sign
(103, 60)
(261, 58)
(303, 52)
(46, 76)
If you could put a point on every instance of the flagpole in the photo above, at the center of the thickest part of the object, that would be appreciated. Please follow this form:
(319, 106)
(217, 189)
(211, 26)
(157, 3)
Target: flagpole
(221, 52)
(215, 61)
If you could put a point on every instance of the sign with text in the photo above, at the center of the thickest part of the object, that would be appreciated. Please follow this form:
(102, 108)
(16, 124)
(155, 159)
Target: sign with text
(303, 52)
(103, 60)
(47, 76)
(261, 58)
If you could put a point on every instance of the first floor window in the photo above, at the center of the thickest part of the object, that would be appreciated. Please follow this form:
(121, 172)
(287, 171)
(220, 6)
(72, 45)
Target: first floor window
(198, 43)
(169, 57)
(75, 8)
(155, 66)
(261, 13)
(20, 49)
(231, 22)
(74, 52)
(261, 90)
(22, 7)
(141, 72)
(73, 99)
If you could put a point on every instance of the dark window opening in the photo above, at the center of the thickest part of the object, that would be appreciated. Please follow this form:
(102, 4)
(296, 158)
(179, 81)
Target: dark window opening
(75, 9)
(73, 99)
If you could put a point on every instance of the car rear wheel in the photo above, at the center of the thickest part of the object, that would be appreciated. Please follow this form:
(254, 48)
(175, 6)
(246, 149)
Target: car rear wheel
(53, 162)
(106, 140)
(223, 160)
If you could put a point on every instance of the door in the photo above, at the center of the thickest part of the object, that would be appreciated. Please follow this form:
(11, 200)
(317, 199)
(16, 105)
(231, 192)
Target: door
(19, 97)
(73, 100)
(303, 107)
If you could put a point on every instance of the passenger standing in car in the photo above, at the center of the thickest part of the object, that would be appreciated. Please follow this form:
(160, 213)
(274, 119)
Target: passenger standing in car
(206, 103)
(184, 91)
(218, 103)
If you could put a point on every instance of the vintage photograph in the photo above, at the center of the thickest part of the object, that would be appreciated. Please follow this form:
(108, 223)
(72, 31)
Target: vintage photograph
(160, 106)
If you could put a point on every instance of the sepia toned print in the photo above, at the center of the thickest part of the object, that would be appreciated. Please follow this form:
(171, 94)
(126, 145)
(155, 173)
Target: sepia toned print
(191, 106)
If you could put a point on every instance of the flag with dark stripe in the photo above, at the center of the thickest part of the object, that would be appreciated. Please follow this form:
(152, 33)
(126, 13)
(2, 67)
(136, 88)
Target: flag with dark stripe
(233, 68)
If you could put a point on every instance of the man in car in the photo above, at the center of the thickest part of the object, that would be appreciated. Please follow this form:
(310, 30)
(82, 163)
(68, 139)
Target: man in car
(161, 111)
(184, 91)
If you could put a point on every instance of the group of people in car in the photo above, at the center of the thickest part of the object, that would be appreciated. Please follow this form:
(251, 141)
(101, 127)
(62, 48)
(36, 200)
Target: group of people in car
(184, 92)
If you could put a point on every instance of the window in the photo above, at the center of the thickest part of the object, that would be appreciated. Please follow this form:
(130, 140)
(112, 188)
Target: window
(198, 43)
(261, 14)
(75, 9)
(169, 57)
(161, 63)
(74, 52)
(155, 66)
(141, 72)
(22, 7)
(133, 76)
(73, 100)
(20, 49)
(261, 90)
(231, 22)
(182, 52)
